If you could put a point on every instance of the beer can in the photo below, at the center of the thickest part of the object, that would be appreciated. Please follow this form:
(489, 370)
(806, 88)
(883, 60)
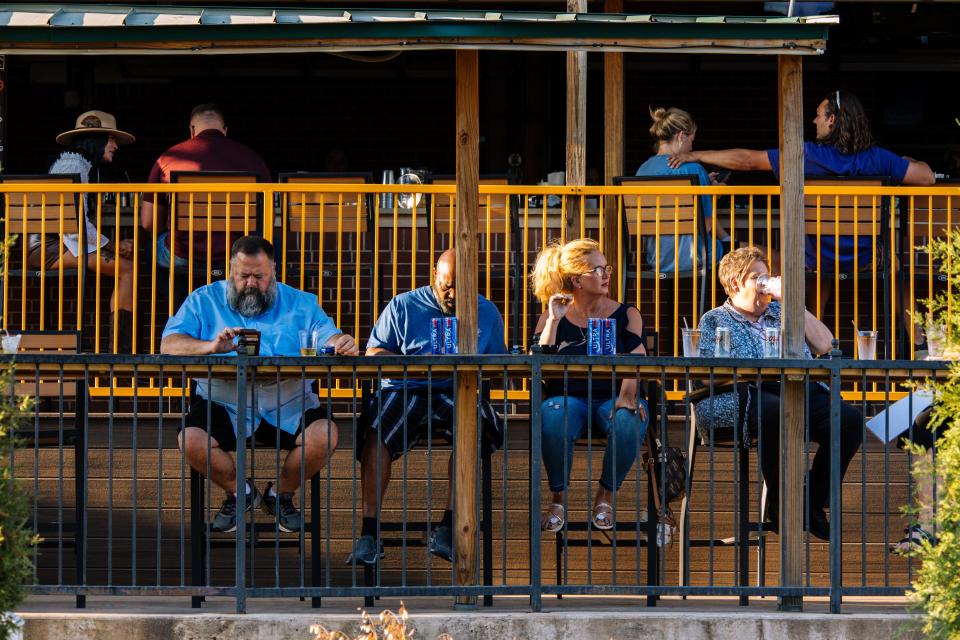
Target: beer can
(724, 345)
(436, 336)
(450, 335)
(326, 351)
(609, 337)
(595, 336)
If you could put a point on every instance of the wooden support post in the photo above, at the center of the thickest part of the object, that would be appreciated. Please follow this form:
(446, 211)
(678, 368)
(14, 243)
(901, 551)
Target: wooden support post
(792, 460)
(3, 113)
(612, 153)
(576, 165)
(465, 445)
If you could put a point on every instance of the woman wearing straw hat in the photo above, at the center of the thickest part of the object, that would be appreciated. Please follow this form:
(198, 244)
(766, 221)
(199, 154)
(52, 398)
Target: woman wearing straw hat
(93, 142)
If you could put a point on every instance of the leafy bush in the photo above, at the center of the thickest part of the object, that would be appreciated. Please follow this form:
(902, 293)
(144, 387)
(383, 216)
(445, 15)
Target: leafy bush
(16, 542)
(936, 591)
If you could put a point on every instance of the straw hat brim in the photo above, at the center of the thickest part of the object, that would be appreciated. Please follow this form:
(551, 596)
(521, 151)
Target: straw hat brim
(122, 136)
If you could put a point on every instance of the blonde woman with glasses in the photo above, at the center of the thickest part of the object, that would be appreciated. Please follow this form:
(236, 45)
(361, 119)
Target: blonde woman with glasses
(573, 280)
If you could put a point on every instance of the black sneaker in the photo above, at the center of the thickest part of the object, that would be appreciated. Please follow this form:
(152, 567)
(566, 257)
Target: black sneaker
(365, 551)
(290, 519)
(441, 543)
(226, 518)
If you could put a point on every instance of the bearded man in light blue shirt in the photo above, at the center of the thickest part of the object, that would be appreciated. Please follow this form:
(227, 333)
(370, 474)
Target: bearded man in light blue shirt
(287, 415)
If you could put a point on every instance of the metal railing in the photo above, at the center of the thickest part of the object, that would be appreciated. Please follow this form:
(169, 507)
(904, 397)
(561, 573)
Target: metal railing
(358, 245)
(121, 512)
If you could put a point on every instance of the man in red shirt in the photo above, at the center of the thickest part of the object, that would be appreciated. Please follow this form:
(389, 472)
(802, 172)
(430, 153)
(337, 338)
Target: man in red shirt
(208, 149)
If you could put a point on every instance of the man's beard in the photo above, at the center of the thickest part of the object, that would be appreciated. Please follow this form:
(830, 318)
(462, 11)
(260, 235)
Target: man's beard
(448, 308)
(251, 302)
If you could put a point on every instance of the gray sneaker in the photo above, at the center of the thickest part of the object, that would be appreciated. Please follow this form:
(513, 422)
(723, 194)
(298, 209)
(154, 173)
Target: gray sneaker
(226, 518)
(365, 551)
(289, 519)
(441, 543)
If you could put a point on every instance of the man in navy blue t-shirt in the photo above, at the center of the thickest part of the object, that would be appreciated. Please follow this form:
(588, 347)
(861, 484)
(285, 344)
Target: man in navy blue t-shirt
(844, 147)
(401, 411)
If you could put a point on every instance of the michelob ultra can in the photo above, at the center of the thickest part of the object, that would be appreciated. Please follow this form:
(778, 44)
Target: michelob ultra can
(595, 336)
(436, 336)
(609, 337)
(450, 335)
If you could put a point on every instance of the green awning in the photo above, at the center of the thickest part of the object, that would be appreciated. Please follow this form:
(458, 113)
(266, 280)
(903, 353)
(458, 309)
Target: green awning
(115, 29)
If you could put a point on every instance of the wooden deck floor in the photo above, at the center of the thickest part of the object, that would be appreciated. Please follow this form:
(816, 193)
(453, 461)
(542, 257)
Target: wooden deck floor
(139, 518)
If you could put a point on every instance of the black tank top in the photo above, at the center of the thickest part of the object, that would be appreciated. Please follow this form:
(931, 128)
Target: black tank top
(572, 340)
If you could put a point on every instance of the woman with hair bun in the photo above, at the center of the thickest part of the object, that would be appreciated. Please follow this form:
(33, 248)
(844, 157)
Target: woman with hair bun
(674, 131)
(844, 146)
(572, 280)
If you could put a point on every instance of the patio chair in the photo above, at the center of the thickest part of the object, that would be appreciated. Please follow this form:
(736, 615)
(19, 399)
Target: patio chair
(424, 527)
(864, 219)
(742, 538)
(216, 219)
(652, 216)
(261, 535)
(221, 217)
(51, 392)
(498, 226)
(49, 212)
(310, 220)
(933, 218)
(655, 513)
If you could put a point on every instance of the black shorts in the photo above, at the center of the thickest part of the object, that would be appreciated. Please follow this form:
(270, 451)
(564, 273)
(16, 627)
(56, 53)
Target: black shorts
(403, 419)
(921, 433)
(266, 434)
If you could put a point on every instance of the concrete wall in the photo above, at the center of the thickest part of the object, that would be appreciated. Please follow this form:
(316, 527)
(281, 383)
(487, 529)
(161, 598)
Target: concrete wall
(599, 625)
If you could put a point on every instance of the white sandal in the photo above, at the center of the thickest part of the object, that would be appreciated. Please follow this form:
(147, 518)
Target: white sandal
(555, 518)
(602, 518)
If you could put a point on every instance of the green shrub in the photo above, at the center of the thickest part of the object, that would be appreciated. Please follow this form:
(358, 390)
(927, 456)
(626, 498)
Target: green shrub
(936, 590)
(16, 541)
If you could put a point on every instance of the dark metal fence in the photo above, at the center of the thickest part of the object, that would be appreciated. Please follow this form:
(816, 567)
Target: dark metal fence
(121, 511)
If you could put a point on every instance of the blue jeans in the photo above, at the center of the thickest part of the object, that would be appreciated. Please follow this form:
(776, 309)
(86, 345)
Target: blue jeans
(624, 434)
(163, 254)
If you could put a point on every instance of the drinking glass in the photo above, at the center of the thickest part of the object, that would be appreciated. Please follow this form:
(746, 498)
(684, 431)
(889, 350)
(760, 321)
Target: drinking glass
(770, 285)
(936, 337)
(771, 342)
(866, 345)
(691, 343)
(11, 342)
(724, 346)
(308, 342)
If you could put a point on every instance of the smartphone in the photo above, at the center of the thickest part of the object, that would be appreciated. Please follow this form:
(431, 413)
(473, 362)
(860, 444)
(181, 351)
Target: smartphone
(723, 175)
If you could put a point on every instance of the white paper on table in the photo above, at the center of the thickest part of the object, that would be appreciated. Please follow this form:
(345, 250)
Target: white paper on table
(901, 415)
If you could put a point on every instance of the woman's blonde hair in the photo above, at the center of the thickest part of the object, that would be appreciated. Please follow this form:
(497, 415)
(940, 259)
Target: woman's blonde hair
(735, 264)
(558, 263)
(669, 122)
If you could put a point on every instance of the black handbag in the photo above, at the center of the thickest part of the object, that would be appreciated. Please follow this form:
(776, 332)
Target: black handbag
(668, 468)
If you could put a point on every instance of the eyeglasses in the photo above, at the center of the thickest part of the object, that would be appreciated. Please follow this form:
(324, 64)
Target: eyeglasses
(601, 270)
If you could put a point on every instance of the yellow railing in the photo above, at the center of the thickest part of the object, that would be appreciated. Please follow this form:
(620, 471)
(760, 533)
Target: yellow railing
(381, 240)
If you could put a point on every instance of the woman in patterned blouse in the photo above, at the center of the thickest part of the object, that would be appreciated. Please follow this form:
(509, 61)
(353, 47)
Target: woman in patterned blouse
(756, 411)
